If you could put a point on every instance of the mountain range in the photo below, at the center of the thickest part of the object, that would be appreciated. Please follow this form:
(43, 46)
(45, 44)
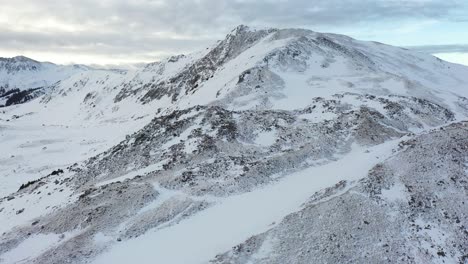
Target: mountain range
(270, 146)
(23, 79)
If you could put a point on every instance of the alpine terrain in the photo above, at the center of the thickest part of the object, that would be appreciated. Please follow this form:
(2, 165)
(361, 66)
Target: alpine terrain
(23, 79)
(270, 146)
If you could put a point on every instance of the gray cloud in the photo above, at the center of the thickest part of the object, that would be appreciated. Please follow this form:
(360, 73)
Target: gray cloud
(137, 28)
(102, 43)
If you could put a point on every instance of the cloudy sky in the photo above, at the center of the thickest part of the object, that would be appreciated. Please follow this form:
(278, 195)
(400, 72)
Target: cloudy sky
(132, 31)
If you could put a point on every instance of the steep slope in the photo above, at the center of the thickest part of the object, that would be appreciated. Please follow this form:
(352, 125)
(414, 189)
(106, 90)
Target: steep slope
(244, 143)
(77, 115)
(411, 208)
(22, 79)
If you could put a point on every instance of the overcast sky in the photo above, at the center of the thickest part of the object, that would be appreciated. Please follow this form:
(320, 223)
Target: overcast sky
(131, 31)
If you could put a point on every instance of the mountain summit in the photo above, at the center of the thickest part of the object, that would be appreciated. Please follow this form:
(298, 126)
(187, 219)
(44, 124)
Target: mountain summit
(18, 64)
(270, 146)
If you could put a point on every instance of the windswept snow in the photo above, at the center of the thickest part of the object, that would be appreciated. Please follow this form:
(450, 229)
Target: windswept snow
(34, 245)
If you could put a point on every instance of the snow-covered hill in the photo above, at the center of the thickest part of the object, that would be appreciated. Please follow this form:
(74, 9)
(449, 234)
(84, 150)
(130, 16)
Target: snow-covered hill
(22, 79)
(271, 146)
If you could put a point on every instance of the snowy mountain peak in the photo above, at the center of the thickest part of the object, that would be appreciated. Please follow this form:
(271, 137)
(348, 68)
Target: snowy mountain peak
(240, 28)
(242, 35)
(23, 59)
(18, 64)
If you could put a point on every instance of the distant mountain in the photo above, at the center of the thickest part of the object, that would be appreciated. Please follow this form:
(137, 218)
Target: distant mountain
(19, 64)
(22, 78)
(270, 146)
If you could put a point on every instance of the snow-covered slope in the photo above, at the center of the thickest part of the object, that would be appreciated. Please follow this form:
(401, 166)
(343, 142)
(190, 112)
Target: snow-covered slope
(242, 153)
(22, 78)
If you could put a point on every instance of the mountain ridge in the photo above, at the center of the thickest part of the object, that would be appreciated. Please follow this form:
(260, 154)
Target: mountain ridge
(23, 79)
